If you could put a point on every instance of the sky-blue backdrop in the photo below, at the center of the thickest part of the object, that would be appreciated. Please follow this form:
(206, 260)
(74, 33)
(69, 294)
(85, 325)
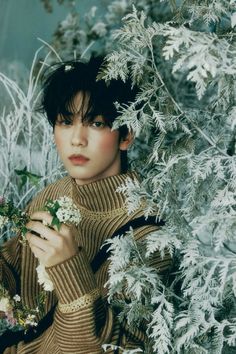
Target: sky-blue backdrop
(22, 21)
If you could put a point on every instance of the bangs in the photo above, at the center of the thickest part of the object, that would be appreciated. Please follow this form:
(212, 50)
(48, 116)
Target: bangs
(62, 85)
(69, 105)
(88, 108)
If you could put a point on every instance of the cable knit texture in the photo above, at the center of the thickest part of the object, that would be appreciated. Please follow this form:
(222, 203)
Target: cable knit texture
(83, 320)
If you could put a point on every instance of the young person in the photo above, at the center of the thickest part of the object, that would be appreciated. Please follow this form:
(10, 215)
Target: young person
(78, 317)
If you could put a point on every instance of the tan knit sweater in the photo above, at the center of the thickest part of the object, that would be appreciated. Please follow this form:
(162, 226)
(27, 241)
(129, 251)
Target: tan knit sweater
(83, 320)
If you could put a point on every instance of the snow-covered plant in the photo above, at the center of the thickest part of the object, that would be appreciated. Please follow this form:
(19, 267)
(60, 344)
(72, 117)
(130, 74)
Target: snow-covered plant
(190, 171)
(28, 157)
(181, 54)
(80, 34)
(124, 351)
(136, 289)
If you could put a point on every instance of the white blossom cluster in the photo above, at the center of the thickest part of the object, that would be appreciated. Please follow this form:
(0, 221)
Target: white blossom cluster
(30, 321)
(5, 305)
(68, 212)
(14, 312)
(182, 56)
(44, 279)
(3, 220)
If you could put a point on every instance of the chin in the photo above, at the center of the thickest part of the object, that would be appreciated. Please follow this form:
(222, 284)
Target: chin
(80, 176)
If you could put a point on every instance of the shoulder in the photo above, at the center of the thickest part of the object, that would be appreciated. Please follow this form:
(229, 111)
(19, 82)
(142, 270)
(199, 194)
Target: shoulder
(60, 188)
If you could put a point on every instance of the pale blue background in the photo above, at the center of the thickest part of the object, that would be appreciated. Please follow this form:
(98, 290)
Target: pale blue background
(23, 21)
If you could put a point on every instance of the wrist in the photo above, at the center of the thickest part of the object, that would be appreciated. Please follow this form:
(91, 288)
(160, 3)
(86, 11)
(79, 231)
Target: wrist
(72, 278)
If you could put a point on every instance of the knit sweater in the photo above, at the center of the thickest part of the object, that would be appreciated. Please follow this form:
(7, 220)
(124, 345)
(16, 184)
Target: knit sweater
(83, 320)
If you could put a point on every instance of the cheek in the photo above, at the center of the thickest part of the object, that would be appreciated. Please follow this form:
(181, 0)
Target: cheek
(59, 140)
(109, 142)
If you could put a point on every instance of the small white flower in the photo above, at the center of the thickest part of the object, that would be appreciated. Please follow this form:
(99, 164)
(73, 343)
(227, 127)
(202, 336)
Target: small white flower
(68, 68)
(68, 212)
(30, 321)
(3, 220)
(16, 298)
(43, 278)
(5, 305)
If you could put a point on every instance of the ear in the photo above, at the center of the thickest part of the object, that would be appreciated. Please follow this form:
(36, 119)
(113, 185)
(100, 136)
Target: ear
(126, 141)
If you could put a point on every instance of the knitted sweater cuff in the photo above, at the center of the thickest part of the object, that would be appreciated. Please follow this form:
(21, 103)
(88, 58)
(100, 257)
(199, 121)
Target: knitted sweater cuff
(73, 278)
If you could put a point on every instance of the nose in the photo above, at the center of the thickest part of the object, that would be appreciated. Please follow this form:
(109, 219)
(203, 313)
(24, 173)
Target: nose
(79, 135)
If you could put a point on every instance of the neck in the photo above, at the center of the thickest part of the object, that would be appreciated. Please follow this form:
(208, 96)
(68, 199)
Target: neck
(101, 195)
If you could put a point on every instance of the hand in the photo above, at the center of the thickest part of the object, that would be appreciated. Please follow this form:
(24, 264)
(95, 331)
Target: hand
(52, 247)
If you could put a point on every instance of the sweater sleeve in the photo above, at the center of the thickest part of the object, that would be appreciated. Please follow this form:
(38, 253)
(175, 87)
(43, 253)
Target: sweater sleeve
(82, 321)
(82, 313)
(10, 265)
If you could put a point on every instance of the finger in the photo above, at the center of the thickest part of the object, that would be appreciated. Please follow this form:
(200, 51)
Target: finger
(42, 216)
(46, 219)
(43, 230)
(35, 241)
(66, 229)
(38, 253)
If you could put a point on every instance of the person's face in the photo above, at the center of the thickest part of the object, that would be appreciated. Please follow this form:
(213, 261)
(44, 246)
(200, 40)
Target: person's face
(89, 150)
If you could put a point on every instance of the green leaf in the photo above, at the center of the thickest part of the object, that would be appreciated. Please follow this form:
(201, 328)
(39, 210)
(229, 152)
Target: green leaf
(56, 222)
(26, 175)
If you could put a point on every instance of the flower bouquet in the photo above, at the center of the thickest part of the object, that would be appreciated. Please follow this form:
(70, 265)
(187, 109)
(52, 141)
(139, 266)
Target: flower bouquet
(14, 315)
(62, 210)
(9, 214)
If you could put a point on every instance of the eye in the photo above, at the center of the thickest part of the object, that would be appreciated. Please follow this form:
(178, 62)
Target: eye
(65, 121)
(98, 122)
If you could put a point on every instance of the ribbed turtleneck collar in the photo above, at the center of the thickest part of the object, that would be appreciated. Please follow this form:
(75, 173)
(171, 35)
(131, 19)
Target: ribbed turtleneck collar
(101, 195)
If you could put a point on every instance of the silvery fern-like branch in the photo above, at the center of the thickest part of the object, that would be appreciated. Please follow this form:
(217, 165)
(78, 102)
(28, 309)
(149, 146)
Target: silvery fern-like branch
(25, 139)
(161, 325)
(124, 351)
(210, 12)
(136, 196)
(162, 241)
(202, 56)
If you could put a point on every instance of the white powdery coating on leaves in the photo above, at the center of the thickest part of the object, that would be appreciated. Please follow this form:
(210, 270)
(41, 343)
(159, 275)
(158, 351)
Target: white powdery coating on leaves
(233, 20)
(100, 29)
(5, 305)
(68, 212)
(43, 278)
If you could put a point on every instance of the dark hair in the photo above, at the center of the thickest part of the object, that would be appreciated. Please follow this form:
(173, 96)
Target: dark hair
(68, 78)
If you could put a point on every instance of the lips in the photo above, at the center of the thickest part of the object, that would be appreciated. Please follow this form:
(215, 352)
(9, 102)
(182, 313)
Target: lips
(78, 159)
